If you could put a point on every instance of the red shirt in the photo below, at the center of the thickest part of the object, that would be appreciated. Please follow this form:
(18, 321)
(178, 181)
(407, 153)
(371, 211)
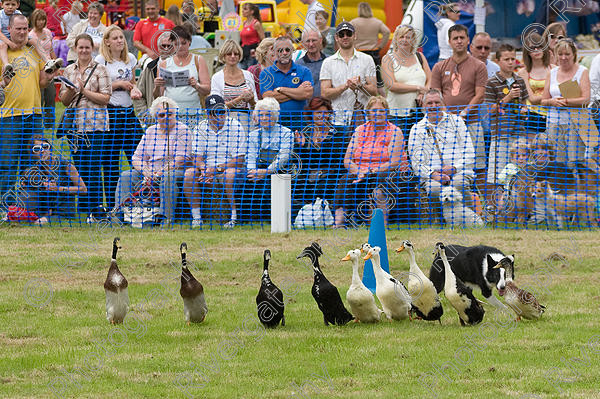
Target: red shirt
(371, 147)
(249, 35)
(147, 31)
(53, 20)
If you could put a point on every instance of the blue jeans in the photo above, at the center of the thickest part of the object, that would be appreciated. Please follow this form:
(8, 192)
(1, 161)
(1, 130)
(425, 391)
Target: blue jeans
(15, 133)
(169, 189)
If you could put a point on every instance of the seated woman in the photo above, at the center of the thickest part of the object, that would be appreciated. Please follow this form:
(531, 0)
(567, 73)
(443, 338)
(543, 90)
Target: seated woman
(49, 184)
(269, 150)
(376, 150)
(319, 159)
(159, 159)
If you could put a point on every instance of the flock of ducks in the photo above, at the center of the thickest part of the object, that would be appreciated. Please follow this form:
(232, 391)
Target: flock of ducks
(419, 300)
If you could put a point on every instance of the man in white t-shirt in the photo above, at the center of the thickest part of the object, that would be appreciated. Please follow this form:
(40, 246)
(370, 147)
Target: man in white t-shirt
(348, 77)
(219, 149)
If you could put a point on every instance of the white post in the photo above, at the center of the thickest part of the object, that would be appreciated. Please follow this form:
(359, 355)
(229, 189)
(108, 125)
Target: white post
(479, 17)
(281, 203)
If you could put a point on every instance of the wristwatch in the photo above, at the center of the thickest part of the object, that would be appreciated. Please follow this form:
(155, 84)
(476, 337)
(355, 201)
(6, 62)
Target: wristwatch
(220, 169)
(278, 89)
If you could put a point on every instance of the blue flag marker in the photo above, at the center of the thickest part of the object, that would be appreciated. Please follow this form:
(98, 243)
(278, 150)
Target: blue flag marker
(376, 239)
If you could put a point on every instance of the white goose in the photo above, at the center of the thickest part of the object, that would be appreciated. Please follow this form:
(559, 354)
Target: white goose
(425, 301)
(458, 294)
(392, 294)
(360, 298)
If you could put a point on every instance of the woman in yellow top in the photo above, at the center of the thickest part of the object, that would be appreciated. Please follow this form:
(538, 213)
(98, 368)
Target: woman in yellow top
(536, 57)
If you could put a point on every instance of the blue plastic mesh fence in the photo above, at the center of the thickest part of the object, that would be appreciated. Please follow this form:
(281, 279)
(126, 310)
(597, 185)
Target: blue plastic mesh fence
(516, 168)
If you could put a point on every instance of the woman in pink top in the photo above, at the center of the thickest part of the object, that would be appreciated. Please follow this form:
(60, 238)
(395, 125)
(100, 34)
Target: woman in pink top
(252, 33)
(42, 35)
(375, 151)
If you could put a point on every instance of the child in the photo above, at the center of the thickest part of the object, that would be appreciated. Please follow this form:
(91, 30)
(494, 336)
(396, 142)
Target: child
(519, 156)
(507, 93)
(42, 35)
(9, 8)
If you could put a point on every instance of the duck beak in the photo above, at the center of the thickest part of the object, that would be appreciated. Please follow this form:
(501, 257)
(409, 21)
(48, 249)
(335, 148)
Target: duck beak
(345, 258)
(498, 266)
(400, 249)
(367, 257)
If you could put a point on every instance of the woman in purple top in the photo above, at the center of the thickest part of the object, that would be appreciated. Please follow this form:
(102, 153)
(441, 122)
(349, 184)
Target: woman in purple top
(159, 160)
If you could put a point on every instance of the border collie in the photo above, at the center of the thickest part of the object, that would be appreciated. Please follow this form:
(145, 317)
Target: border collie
(475, 267)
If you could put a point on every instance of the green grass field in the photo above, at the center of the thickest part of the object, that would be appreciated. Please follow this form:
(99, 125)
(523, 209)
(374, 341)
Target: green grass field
(56, 341)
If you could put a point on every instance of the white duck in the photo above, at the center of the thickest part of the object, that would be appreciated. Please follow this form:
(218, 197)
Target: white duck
(392, 294)
(458, 294)
(360, 298)
(425, 300)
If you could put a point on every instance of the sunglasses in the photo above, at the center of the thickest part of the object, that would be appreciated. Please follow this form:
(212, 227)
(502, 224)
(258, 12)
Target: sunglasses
(166, 46)
(483, 47)
(39, 148)
(164, 114)
(284, 50)
(345, 33)
(558, 37)
(217, 112)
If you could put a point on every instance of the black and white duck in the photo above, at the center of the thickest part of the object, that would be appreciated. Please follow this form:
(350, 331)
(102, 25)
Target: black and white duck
(522, 302)
(425, 300)
(192, 292)
(359, 297)
(458, 294)
(392, 294)
(326, 294)
(115, 288)
(269, 300)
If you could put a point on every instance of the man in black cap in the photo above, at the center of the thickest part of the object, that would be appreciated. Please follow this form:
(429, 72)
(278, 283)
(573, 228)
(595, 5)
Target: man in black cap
(218, 151)
(348, 77)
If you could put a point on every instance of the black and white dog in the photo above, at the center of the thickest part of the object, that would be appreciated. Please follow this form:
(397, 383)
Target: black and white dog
(475, 267)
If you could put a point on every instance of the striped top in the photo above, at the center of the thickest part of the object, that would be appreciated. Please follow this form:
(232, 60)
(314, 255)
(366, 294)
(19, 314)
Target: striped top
(231, 92)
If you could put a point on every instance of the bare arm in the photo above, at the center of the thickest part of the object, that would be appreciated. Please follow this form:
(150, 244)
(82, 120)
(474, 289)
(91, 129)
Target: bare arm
(302, 92)
(280, 97)
(259, 30)
(78, 186)
(203, 86)
(532, 97)
(329, 92)
(144, 49)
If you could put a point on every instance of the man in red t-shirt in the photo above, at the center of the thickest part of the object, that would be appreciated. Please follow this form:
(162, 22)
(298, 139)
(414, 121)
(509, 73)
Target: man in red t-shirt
(462, 79)
(148, 30)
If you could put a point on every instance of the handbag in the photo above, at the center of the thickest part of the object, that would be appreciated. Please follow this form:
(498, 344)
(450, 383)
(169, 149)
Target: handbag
(316, 214)
(66, 125)
(144, 205)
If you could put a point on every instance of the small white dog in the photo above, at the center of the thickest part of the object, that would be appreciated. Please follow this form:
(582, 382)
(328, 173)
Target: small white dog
(455, 212)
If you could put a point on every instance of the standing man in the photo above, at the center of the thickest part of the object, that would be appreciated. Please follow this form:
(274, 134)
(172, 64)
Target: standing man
(312, 41)
(480, 49)
(462, 79)
(287, 82)
(21, 113)
(348, 77)
(311, 13)
(148, 30)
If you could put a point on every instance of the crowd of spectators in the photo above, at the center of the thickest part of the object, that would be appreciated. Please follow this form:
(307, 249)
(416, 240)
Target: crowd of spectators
(337, 108)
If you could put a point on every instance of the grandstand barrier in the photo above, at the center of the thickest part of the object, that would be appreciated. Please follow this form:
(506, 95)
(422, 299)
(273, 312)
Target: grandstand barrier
(534, 167)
